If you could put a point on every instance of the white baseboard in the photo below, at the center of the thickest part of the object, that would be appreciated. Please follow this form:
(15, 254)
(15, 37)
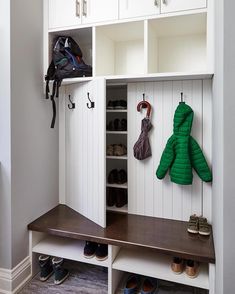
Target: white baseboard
(11, 281)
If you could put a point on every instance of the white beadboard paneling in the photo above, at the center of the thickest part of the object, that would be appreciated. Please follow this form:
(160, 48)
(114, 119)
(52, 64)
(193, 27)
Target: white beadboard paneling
(146, 194)
(177, 197)
(132, 134)
(157, 147)
(166, 125)
(85, 151)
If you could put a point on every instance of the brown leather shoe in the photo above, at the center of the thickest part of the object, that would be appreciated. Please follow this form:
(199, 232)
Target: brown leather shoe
(192, 269)
(177, 265)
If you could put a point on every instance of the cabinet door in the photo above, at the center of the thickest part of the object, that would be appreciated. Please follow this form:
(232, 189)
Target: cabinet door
(133, 8)
(97, 11)
(85, 151)
(64, 13)
(178, 5)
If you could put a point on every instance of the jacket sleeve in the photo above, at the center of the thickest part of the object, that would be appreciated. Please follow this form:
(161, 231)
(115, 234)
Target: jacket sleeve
(167, 158)
(199, 162)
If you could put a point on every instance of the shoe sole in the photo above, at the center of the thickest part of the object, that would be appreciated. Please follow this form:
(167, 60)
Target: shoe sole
(89, 256)
(47, 277)
(101, 258)
(192, 232)
(192, 277)
(204, 234)
(61, 281)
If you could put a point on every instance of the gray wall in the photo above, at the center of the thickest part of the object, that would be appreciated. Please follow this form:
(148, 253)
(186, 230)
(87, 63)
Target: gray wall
(218, 146)
(28, 147)
(229, 146)
(224, 147)
(5, 140)
(34, 144)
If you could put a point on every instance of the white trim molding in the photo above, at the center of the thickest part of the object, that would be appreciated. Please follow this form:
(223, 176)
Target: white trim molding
(11, 281)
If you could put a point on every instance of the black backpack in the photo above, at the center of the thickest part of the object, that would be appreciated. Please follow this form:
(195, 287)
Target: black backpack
(66, 62)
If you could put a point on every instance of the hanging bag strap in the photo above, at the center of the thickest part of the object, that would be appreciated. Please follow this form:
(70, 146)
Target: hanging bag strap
(53, 104)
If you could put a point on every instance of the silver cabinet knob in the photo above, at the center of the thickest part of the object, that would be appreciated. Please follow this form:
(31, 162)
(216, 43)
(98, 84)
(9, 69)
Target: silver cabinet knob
(78, 8)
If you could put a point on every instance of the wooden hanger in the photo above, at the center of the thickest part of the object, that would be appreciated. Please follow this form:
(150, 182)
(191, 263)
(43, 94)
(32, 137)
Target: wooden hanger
(145, 104)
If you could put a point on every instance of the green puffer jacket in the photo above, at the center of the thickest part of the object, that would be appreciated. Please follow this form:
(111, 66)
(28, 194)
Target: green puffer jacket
(182, 152)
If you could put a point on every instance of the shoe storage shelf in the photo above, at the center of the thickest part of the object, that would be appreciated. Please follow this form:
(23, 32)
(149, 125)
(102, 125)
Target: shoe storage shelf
(165, 46)
(116, 120)
(137, 245)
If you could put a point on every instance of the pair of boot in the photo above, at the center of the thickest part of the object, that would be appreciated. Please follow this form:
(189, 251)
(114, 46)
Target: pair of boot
(100, 251)
(117, 177)
(116, 197)
(117, 125)
(50, 266)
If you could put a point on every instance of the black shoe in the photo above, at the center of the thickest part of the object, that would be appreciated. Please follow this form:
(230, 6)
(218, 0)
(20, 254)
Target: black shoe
(61, 274)
(120, 104)
(45, 266)
(113, 176)
(122, 177)
(111, 196)
(110, 126)
(101, 252)
(124, 125)
(121, 198)
(89, 249)
(110, 105)
(117, 125)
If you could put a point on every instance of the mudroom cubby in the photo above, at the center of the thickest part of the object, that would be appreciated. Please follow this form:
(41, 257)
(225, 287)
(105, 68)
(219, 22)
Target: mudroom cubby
(177, 44)
(120, 49)
(82, 36)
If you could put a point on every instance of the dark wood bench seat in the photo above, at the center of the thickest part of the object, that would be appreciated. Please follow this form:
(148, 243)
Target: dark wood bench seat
(126, 230)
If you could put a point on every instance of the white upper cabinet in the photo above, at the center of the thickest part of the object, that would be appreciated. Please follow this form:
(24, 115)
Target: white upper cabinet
(65, 13)
(180, 5)
(133, 8)
(99, 10)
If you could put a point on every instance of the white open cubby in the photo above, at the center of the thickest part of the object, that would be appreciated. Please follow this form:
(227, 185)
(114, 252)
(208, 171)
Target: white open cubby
(82, 36)
(120, 49)
(177, 44)
(157, 265)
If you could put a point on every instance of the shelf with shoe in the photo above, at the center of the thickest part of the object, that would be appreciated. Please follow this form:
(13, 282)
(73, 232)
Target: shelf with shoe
(117, 157)
(116, 110)
(121, 186)
(157, 265)
(66, 248)
(123, 209)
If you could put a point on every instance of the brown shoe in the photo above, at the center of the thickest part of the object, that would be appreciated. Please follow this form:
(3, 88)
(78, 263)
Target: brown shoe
(192, 269)
(193, 224)
(204, 227)
(110, 150)
(119, 150)
(177, 265)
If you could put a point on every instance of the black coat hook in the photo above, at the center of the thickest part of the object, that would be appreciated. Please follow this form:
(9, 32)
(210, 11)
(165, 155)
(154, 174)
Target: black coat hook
(182, 97)
(72, 106)
(91, 102)
(144, 105)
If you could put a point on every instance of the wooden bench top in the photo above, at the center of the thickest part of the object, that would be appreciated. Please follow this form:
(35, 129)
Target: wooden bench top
(127, 230)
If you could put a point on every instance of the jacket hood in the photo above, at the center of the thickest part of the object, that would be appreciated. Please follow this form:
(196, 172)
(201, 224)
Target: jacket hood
(183, 119)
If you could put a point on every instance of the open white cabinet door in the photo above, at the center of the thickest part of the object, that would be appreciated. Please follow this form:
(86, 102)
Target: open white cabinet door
(84, 150)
